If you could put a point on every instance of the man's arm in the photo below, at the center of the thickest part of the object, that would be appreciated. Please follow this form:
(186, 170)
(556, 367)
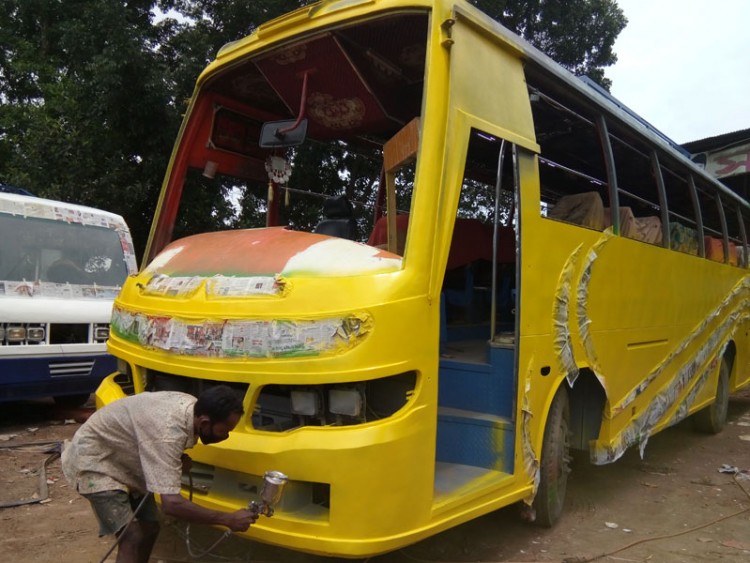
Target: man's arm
(179, 507)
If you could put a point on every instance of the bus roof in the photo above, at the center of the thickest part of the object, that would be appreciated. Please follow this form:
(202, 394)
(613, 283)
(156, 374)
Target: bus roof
(8, 189)
(594, 96)
(16, 204)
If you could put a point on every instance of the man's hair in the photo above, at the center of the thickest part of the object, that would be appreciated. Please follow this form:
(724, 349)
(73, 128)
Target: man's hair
(218, 403)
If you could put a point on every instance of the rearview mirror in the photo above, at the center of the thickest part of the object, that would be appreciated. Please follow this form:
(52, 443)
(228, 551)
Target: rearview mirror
(287, 133)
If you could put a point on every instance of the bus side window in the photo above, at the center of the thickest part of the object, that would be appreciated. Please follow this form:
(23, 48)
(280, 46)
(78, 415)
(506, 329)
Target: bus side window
(683, 228)
(637, 190)
(713, 231)
(734, 233)
(572, 173)
(585, 209)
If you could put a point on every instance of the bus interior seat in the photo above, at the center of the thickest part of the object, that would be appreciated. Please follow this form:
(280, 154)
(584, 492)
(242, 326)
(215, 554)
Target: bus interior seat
(585, 209)
(467, 285)
(683, 239)
(645, 229)
(648, 229)
(338, 219)
(379, 235)
(715, 250)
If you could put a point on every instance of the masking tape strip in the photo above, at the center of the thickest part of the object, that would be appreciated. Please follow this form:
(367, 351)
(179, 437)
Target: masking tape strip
(583, 318)
(563, 344)
(530, 459)
(736, 293)
(690, 375)
(241, 338)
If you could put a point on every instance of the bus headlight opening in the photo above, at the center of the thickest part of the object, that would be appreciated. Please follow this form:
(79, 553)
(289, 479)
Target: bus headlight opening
(101, 333)
(281, 408)
(35, 334)
(345, 401)
(15, 334)
(305, 402)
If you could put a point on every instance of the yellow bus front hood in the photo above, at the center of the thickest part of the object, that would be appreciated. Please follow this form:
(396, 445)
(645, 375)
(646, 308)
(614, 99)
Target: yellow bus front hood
(273, 251)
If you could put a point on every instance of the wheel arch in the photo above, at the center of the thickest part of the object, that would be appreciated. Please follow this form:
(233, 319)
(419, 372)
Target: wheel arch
(730, 354)
(587, 401)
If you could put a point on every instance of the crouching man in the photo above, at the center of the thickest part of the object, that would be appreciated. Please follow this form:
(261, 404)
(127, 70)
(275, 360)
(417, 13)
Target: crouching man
(134, 446)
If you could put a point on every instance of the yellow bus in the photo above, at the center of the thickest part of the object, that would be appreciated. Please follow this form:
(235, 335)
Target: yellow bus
(542, 272)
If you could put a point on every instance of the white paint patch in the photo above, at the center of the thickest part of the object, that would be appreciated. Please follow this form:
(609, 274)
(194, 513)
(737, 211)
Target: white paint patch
(162, 259)
(340, 257)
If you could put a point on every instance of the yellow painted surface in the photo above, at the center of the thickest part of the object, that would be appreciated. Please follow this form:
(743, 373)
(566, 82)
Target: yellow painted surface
(381, 473)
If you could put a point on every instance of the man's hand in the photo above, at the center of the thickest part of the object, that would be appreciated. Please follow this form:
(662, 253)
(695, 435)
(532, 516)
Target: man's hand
(187, 463)
(241, 520)
(179, 507)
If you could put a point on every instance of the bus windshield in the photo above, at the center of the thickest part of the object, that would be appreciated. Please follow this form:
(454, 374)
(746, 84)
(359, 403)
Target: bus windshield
(44, 250)
(355, 88)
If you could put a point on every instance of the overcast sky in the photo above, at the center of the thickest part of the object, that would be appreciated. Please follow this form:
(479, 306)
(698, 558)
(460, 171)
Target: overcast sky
(684, 65)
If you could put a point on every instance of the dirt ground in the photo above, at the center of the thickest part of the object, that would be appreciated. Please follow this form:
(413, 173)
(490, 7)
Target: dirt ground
(675, 505)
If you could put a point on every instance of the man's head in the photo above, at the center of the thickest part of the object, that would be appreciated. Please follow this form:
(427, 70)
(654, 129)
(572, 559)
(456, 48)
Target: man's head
(216, 413)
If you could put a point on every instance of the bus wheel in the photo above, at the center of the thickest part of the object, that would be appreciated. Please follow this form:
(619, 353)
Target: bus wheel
(555, 465)
(711, 420)
(71, 400)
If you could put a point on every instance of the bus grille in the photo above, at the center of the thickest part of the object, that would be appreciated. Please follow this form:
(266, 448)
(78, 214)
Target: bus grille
(71, 369)
(60, 333)
(30, 334)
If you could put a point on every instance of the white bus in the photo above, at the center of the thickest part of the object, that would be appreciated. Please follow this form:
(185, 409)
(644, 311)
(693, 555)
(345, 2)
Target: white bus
(61, 266)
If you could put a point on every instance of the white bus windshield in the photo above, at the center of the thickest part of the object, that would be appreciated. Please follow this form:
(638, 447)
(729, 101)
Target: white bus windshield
(34, 250)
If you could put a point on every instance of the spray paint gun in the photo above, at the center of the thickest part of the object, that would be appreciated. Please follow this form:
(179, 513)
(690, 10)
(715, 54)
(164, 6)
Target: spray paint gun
(270, 493)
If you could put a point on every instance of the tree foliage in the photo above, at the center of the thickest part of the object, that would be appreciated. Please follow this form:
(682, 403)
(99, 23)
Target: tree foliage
(92, 93)
(85, 114)
(578, 34)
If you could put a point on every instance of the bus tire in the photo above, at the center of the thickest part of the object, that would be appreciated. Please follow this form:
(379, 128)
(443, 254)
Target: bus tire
(71, 400)
(555, 463)
(711, 420)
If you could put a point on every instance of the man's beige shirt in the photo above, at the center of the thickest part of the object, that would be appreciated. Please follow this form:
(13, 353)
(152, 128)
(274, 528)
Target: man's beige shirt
(134, 444)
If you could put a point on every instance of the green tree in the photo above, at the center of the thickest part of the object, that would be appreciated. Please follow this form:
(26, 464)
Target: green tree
(86, 115)
(92, 93)
(578, 34)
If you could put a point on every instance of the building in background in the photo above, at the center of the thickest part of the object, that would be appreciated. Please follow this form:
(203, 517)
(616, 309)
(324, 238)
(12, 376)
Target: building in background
(727, 157)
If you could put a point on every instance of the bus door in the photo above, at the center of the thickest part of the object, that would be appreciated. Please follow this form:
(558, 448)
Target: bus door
(476, 423)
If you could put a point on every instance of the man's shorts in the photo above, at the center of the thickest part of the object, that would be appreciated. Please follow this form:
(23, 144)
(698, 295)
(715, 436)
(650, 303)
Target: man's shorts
(115, 509)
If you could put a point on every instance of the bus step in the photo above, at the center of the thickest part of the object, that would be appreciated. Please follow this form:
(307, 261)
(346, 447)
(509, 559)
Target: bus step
(475, 439)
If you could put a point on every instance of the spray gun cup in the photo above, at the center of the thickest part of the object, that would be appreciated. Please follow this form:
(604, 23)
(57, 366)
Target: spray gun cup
(270, 493)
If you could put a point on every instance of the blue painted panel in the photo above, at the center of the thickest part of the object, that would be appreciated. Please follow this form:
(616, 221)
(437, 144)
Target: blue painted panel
(479, 443)
(487, 388)
(30, 378)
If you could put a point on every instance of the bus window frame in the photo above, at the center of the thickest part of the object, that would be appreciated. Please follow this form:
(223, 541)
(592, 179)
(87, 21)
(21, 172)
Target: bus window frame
(399, 150)
(663, 203)
(743, 234)
(611, 168)
(724, 227)
(698, 215)
(649, 154)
